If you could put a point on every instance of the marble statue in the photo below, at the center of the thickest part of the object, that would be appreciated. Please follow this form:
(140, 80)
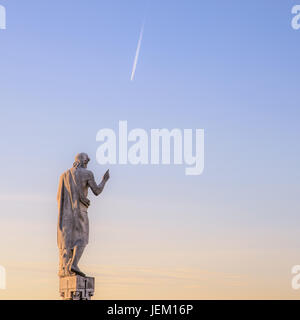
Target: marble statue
(73, 223)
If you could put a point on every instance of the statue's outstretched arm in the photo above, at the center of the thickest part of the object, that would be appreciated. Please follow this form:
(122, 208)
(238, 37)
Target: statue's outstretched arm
(97, 189)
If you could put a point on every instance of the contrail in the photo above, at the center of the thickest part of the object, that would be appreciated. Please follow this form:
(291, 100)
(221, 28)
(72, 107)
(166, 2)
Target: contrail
(137, 53)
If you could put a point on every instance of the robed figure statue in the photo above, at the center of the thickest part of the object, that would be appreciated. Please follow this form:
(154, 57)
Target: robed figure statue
(73, 223)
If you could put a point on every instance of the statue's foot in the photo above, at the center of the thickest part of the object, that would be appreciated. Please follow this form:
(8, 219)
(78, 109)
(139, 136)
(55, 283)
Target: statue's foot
(65, 273)
(78, 272)
(61, 274)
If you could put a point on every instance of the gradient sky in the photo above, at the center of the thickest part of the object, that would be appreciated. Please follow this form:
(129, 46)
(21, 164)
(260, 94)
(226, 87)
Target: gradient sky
(230, 67)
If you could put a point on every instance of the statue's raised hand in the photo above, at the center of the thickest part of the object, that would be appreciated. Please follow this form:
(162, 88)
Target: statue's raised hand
(106, 176)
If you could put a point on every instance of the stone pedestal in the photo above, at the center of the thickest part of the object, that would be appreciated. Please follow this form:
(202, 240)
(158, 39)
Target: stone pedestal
(76, 287)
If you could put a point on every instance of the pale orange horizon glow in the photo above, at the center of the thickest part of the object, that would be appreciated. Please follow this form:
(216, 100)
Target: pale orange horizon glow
(238, 265)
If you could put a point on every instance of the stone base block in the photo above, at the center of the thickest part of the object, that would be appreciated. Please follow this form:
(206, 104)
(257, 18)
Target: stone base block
(76, 287)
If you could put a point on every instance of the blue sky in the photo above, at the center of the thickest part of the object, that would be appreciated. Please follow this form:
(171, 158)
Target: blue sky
(230, 67)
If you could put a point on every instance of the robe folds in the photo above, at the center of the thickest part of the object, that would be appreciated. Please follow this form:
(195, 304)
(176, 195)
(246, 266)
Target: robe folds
(73, 224)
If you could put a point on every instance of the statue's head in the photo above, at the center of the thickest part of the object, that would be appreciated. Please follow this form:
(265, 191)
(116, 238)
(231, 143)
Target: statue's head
(81, 160)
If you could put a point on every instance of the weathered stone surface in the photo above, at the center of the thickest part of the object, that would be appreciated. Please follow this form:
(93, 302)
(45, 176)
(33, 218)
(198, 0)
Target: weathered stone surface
(76, 287)
(73, 222)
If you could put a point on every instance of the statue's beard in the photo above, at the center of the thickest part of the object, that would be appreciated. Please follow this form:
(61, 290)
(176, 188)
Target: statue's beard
(78, 164)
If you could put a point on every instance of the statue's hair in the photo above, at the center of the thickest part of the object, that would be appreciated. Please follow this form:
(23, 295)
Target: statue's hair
(79, 160)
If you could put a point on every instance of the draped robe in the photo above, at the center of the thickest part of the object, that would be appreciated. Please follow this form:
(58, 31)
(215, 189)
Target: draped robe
(73, 225)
